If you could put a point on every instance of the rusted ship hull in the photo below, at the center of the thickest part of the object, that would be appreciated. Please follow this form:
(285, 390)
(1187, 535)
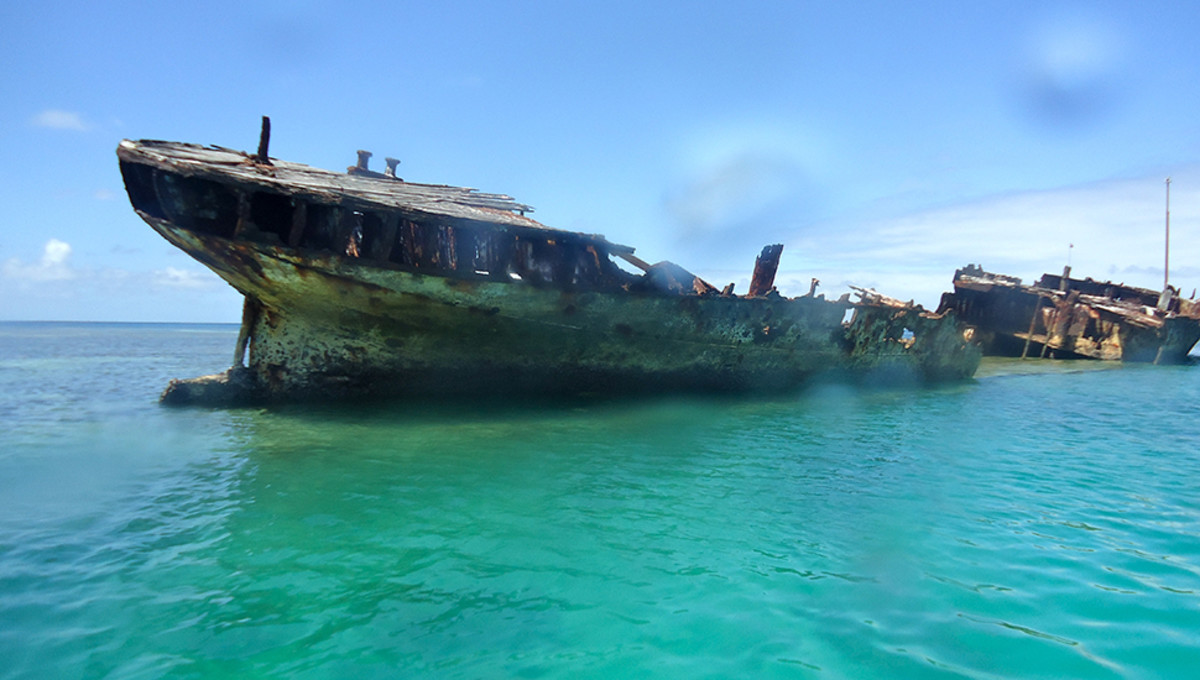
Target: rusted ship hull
(1065, 318)
(424, 303)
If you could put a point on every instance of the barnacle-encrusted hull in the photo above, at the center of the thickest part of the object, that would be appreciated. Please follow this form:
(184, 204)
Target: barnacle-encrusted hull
(384, 297)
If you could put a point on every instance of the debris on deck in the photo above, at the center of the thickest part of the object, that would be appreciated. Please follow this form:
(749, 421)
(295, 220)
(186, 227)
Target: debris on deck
(364, 284)
(1061, 317)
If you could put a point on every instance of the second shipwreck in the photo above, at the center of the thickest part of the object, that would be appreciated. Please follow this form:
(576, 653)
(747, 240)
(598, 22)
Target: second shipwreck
(1061, 317)
(363, 284)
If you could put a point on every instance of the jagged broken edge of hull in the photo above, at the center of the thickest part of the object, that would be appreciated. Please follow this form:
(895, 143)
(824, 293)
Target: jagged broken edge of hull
(1067, 318)
(239, 214)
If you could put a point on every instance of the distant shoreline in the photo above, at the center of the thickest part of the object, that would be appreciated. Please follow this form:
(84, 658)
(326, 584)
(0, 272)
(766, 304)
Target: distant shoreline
(231, 324)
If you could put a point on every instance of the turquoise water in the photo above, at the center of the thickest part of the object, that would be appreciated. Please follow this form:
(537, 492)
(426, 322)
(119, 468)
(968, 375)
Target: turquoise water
(1042, 521)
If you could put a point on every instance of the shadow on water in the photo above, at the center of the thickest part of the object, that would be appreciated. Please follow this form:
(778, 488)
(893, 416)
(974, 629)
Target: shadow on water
(456, 409)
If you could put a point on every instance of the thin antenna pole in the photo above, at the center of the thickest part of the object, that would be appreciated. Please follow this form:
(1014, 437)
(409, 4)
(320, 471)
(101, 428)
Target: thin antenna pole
(1167, 241)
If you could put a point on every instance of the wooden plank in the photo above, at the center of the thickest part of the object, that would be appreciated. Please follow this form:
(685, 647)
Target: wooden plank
(387, 237)
(299, 222)
(313, 185)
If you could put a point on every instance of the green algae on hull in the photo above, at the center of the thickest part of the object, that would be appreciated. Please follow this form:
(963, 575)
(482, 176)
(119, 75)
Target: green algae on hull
(362, 284)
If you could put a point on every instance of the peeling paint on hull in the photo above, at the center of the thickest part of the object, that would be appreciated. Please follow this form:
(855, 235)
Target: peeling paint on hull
(331, 328)
(322, 323)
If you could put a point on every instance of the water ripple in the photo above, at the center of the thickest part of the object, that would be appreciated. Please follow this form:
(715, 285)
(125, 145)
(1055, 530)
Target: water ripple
(1019, 526)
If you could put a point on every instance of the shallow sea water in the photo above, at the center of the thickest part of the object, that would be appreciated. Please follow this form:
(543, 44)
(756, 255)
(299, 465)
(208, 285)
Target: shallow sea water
(1041, 521)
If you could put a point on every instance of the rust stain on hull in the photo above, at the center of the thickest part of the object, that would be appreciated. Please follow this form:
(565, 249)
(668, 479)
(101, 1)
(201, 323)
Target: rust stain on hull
(1065, 318)
(363, 284)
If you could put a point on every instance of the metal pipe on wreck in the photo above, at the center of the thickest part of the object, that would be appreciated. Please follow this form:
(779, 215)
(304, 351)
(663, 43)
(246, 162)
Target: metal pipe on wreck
(1037, 311)
(1050, 328)
(264, 141)
(1167, 242)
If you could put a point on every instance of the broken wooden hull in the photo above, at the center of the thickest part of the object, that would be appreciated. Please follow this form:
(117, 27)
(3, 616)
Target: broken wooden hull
(327, 327)
(324, 323)
(1064, 318)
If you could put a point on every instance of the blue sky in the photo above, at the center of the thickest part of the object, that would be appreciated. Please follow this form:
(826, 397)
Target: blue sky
(885, 144)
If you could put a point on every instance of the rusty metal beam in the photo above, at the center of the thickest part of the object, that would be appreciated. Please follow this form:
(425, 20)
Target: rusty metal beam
(764, 270)
(632, 259)
(264, 141)
(1037, 311)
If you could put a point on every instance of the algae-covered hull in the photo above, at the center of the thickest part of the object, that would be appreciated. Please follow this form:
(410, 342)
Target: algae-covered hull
(363, 284)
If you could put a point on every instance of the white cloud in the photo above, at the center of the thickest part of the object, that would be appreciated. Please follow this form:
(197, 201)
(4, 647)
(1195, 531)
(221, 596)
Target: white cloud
(52, 266)
(55, 253)
(53, 287)
(173, 277)
(1116, 227)
(1112, 225)
(57, 119)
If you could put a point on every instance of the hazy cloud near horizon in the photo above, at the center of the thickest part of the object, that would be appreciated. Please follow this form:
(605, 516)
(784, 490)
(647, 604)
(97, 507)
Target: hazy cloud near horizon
(1107, 230)
(30, 289)
(59, 119)
(52, 266)
(1112, 229)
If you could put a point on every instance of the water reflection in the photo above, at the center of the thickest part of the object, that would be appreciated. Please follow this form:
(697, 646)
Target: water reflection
(900, 530)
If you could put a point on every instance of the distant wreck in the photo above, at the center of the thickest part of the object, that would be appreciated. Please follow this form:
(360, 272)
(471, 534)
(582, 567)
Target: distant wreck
(1065, 318)
(362, 284)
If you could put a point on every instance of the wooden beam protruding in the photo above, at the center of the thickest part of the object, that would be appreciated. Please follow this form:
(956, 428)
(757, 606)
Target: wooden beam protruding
(764, 270)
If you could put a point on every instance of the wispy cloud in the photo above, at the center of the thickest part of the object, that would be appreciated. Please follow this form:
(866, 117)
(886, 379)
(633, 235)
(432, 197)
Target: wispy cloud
(53, 288)
(173, 277)
(52, 266)
(58, 119)
(53, 285)
(1106, 230)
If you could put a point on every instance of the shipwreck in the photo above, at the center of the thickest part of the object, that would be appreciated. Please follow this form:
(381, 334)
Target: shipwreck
(1065, 318)
(362, 284)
